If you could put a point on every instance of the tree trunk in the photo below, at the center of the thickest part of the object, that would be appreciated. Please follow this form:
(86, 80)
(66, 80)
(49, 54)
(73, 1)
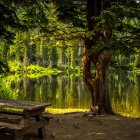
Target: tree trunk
(101, 84)
(98, 85)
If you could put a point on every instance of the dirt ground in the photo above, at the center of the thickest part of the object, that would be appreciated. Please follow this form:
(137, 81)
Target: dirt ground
(89, 127)
(80, 126)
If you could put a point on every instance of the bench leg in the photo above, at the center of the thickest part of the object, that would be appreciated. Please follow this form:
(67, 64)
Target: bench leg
(41, 131)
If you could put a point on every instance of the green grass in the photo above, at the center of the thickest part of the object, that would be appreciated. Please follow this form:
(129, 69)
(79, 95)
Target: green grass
(63, 111)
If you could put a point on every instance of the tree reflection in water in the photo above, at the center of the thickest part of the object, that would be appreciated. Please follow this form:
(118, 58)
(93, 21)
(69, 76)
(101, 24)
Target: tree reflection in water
(70, 94)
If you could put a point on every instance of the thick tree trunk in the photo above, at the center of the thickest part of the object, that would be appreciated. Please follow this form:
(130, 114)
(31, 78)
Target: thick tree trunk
(101, 78)
(98, 85)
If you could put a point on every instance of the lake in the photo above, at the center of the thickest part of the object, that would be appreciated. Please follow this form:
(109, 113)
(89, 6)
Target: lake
(67, 93)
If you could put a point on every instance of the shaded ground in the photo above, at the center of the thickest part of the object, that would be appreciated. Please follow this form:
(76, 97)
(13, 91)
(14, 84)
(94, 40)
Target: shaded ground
(78, 127)
(82, 127)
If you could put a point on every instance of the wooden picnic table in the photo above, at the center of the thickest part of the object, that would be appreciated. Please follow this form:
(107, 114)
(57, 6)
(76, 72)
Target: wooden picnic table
(30, 109)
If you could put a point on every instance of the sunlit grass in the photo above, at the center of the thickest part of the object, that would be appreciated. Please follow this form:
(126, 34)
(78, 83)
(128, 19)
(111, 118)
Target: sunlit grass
(127, 111)
(129, 114)
(63, 111)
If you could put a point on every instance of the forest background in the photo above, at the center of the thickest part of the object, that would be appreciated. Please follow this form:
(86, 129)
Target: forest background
(47, 37)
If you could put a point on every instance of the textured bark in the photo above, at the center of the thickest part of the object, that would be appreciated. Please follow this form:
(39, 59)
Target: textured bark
(101, 78)
(97, 84)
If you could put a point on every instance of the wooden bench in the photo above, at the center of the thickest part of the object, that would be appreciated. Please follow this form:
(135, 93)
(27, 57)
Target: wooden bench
(30, 109)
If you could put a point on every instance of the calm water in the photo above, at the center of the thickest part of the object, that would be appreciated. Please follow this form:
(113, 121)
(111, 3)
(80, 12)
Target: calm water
(68, 93)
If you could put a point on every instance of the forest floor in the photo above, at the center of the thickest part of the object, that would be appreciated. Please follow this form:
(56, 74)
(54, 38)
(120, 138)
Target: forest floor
(82, 126)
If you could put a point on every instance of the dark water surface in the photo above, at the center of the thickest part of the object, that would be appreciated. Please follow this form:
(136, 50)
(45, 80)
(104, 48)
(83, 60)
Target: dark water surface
(68, 93)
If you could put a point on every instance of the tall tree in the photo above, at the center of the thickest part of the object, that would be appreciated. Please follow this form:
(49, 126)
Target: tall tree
(98, 46)
(100, 59)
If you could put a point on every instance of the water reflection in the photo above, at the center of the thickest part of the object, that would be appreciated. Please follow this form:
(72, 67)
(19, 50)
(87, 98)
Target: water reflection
(60, 91)
(124, 91)
(65, 92)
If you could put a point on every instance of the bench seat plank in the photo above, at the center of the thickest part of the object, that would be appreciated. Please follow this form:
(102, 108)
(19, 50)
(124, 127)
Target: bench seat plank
(20, 130)
(5, 125)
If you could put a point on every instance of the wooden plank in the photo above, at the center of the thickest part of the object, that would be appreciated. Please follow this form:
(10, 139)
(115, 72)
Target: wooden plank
(30, 113)
(28, 105)
(21, 130)
(4, 125)
(13, 129)
(10, 112)
(45, 116)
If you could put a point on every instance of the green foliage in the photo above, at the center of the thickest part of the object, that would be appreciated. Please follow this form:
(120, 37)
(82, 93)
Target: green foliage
(3, 67)
(3, 58)
(138, 60)
(37, 71)
(44, 36)
(7, 19)
(6, 91)
(21, 15)
(15, 67)
(127, 38)
(68, 11)
(106, 21)
(117, 28)
(61, 23)
(34, 16)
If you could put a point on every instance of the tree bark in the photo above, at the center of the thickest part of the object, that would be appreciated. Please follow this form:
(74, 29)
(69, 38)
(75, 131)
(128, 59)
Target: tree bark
(97, 84)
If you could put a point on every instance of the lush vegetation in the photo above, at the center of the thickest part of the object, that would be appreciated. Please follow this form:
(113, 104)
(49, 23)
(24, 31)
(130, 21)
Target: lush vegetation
(47, 41)
(50, 46)
(48, 37)
(67, 93)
